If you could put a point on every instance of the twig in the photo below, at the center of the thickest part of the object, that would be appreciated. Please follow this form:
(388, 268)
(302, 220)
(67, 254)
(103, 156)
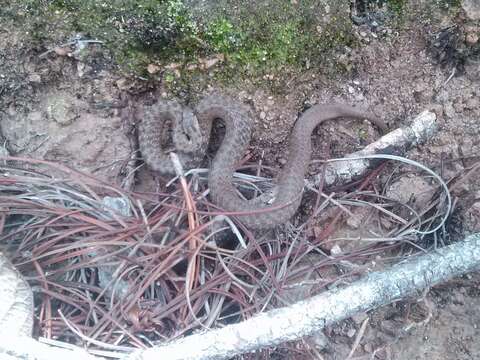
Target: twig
(306, 317)
(396, 142)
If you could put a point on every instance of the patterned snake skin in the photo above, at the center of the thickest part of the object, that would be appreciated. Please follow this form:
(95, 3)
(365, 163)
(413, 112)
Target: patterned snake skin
(190, 135)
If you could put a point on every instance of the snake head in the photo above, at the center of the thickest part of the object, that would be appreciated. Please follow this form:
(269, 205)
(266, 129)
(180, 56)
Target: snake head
(188, 135)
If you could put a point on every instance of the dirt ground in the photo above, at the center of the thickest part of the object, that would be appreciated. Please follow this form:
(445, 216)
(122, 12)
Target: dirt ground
(72, 110)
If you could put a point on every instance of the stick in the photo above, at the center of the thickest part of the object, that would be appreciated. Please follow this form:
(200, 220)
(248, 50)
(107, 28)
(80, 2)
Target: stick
(309, 316)
(396, 142)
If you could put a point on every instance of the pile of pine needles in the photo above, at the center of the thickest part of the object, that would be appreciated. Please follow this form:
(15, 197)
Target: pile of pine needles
(116, 270)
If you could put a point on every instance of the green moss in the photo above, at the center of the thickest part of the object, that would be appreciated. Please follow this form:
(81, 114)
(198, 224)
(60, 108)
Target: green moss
(449, 4)
(222, 36)
(255, 41)
(398, 6)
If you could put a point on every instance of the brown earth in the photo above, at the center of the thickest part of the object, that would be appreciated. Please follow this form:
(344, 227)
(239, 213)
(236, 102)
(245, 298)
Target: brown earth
(70, 110)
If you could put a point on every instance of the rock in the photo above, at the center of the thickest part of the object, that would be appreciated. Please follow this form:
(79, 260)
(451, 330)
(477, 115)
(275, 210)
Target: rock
(471, 39)
(263, 115)
(35, 116)
(34, 78)
(3, 150)
(63, 51)
(448, 110)
(359, 217)
(336, 250)
(282, 161)
(359, 97)
(473, 103)
(118, 205)
(351, 333)
(208, 63)
(459, 298)
(359, 318)
(153, 68)
(368, 347)
(319, 340)
(122, 84)
(60, 110)
(459, 106)
(471, 9)
(472, 218)
(410, 189)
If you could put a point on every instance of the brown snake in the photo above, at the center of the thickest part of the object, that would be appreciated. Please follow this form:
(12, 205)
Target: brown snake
(190, 135)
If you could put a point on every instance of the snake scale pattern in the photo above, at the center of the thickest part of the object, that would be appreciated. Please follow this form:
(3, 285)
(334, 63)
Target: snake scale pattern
(190, 133)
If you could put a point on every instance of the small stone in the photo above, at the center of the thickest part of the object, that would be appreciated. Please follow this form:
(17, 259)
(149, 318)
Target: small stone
(173, 66)
(413, 190)
(448, 110)
(35, 116)
(459, 299)
(319, 339)
(363, 34)
(359, 318)
(459, 106)
(62, 51)
(471, 9)
(336, 250)
(282, 161)
(350, 89)
(351, 333)
(4, 151)
(153, 69)
(60, 110)
(81, 69)
(317, 231)
(117, 205)
(359, 97)
(471, 39)
(208, 63)
(12, 111)
(263, 115)
(473, 103)
(368, 348)
(35, 78)
(122, 84)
